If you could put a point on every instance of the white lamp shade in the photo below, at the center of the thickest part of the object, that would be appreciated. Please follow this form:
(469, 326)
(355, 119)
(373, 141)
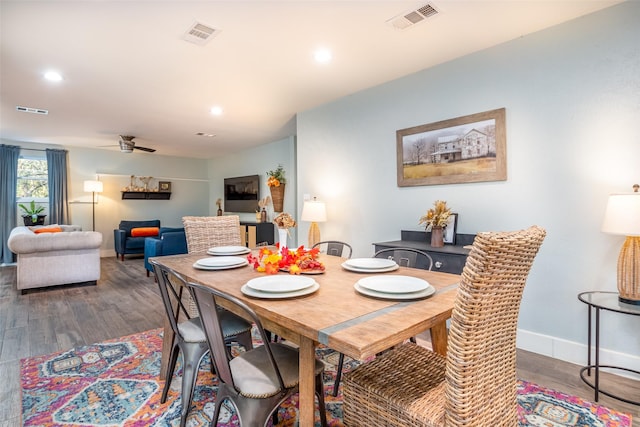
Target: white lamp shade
(93, 186)
(622, 215)
(314, 211)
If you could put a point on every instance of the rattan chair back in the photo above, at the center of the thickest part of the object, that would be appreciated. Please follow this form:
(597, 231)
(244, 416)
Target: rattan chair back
(204, 232)
(475, 384)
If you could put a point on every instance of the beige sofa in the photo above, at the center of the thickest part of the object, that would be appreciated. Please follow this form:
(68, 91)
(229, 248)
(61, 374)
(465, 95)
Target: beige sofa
(49, 259)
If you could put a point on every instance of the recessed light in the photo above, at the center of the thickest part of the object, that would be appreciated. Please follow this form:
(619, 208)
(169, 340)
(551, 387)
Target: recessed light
(216, 111)
(322, 56)
(53, 76)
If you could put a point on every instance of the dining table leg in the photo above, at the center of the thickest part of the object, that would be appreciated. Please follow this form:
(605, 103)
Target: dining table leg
(307, 360)
(167, 343)
(439, 338)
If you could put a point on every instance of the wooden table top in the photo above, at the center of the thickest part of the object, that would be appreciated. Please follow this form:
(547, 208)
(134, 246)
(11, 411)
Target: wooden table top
(335, 315)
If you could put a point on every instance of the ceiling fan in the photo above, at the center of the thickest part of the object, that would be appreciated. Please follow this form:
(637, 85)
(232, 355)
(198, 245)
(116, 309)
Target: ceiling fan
(127, 145)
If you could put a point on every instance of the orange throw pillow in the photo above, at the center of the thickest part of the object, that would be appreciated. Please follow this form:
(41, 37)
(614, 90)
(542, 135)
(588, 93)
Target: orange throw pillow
(48, 230)
(145, 231)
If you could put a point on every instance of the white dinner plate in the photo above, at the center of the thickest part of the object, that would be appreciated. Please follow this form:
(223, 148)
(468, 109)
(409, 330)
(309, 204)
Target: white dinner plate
(220, 263)
(394, 284)
(368, 270)
(228, 250)
(370, 263)
(280, 283)
(382, 295)
(278, 295)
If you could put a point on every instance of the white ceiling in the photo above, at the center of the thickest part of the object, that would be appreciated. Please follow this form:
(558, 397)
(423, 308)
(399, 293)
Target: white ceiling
(127, 70)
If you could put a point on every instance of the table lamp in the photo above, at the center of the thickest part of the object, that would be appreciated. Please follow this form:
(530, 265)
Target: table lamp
(315, 212)
(93, 187)
(623, 217)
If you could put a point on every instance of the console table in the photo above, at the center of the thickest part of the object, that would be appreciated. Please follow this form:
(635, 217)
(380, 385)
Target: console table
(597, 301)
(448, 259)
(253, 233)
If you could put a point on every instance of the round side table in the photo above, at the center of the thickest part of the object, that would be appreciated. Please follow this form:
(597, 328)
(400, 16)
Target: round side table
(598, 301)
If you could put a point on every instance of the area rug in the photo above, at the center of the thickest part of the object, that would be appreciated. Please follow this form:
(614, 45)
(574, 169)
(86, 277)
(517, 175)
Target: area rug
(115, 383)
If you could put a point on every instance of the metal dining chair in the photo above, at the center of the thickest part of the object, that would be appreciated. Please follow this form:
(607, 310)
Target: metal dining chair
(340, 249)
(407, 257)
(257, 381)
(335, 248)
(190, 338)
(475, 383)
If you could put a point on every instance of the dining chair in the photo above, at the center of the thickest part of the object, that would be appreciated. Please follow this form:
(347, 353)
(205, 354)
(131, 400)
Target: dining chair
(474, 385)
(190, 338)
(407, 257)
(334, 248)
(204, 232)
(340, 249)
(257, 381)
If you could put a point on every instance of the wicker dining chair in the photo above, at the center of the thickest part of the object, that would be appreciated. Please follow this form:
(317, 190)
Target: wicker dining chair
(204, 232)
(474, 385)
(257, 381)
(407, 257)
(190, 339)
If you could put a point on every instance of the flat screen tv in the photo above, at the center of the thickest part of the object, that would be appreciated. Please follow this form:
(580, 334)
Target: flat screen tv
(241, 194)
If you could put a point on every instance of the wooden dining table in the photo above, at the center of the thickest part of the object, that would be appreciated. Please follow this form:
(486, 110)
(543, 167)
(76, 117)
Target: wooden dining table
(336, 315)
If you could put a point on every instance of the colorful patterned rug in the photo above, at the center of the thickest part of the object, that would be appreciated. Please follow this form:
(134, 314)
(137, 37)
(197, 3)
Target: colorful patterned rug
(115, 383)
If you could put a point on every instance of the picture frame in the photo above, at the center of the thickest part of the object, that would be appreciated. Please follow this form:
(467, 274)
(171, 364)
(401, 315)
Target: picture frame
(164, 186)
(465, 149)
(450, 230)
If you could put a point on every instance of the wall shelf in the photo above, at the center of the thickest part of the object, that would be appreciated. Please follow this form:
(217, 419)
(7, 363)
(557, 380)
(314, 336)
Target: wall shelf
(146, 195)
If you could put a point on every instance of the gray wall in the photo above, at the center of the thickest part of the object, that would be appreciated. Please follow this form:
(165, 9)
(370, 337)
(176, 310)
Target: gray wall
(571, 95)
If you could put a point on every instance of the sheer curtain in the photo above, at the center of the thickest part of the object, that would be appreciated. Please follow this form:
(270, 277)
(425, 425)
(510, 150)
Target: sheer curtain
(8, 183)
(57, 181)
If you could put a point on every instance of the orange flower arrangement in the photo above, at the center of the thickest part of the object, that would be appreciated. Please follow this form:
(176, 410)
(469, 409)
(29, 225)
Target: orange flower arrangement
(270, 262)
(276, 177)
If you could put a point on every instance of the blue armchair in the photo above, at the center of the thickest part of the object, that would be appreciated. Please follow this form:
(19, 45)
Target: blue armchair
(171, 241)
(126, 244)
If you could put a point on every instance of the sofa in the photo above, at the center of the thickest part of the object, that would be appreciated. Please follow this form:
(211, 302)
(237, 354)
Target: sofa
(55, 255)
(127, 243)
(170, 241)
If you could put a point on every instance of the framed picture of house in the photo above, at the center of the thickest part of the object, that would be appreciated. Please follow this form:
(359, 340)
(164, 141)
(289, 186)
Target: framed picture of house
(465, 149)
(164, 186)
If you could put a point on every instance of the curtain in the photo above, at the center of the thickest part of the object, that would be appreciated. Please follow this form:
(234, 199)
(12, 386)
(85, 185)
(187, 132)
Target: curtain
(8, 183)
(57, 180)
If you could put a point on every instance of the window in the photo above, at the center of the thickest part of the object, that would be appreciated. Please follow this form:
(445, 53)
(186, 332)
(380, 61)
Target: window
(32, 179)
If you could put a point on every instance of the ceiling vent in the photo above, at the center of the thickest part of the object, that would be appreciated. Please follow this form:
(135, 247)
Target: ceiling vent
(200, 33)
(32, 110)
(412, 17)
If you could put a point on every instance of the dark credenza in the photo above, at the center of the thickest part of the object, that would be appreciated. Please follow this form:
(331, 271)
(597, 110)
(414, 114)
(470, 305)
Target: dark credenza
(448, 259)
(254, 233)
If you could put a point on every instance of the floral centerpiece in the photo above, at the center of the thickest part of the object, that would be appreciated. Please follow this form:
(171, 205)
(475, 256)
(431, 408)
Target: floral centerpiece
(276, 182)
(436, 219)
(295, 262)
(284, 222)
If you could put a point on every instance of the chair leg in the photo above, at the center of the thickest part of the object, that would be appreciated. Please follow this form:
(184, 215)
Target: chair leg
(321, 406)
(173, 358)
(192, 355)
(336, 384)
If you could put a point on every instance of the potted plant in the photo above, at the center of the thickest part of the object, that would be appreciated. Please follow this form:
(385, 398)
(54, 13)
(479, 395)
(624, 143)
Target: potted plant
(32, 213)
(436, 219)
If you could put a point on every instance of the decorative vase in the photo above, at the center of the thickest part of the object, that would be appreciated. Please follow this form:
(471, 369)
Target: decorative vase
(219, 212)
(437, 237)
(258, 216)
(263, 215)
(282, 238)
(277, 197)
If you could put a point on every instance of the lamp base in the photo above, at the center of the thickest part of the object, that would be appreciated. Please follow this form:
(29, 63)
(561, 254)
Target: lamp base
(314, 234)
(629, 271)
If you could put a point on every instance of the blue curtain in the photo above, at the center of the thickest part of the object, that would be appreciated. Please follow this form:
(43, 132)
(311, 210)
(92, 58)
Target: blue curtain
(8, 183)
(57, 180)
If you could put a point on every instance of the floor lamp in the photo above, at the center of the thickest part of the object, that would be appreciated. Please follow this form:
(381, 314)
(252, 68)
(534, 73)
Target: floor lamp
(623, 217)
(93, 187)
(315, 212)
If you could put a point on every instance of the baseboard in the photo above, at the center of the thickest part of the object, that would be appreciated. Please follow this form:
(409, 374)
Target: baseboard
(574, 352)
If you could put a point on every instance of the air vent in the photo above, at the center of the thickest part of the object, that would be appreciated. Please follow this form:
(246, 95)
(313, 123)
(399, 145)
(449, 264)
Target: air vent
(200, 33)
(412, 17)
(31, 110)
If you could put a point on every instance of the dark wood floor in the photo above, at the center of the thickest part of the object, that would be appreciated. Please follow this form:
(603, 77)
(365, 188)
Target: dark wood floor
(126, 301)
